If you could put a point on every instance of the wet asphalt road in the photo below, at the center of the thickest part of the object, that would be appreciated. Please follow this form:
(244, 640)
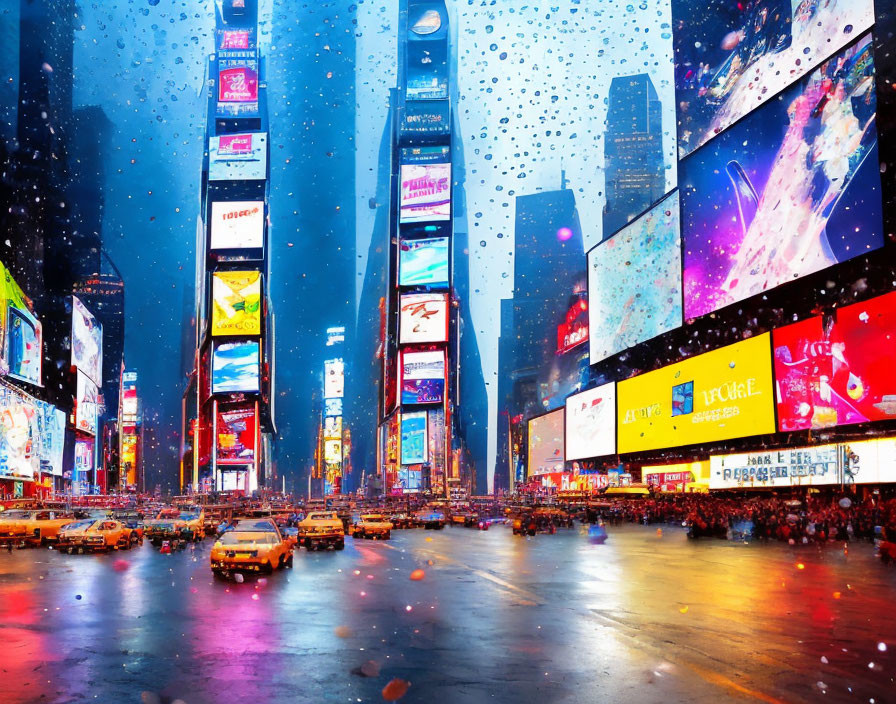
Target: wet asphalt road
(497, 618)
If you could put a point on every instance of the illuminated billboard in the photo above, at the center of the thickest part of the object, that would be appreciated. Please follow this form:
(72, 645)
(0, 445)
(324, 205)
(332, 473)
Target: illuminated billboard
(591, 423)
(237, 84)
(333, 407)
(32, 435)
(423, 317)
(425, 192)
(869, 461)
(238, 157)
(237, 225)
(333, 451)
(422, 377)
(236, 303)
(838, 369)
(236, 433)
(426, 118)
(86, 406)
(87, 342)
(51, 423)
(719, 395)
(333, 428)
(634, 282)
(791, 189)
(573, 331)
(423, 262)
(414, 443)
(24, 345)
(334, 378)
(804, 466)
(427, 52)
(546, 444)
(236, 367)
(732, 57)
(239, 38)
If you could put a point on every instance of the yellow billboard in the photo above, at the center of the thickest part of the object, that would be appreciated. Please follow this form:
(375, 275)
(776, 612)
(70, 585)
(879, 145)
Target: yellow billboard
(236, 303)
(720, 395)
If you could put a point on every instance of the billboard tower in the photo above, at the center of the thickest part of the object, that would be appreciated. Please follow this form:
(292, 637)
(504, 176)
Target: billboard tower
(232, 427)
(419, 319)
(334, 432)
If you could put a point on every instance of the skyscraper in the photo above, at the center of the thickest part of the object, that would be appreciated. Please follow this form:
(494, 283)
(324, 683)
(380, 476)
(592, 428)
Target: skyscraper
(633, 151)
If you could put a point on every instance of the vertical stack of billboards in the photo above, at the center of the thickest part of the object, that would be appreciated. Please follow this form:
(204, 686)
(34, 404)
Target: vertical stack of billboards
(129, 451)
(235, 331)
(87, 364)
(333, 427)
(418, 391)
(32, 436)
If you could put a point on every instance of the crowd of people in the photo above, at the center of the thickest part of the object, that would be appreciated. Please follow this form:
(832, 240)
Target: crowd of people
(811, 519)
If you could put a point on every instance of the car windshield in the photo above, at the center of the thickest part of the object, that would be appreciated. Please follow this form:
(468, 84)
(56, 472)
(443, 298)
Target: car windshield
(14, 515)
(322, 516)
(253, 538)
(79, 525)
(265, 526)
(168, 513)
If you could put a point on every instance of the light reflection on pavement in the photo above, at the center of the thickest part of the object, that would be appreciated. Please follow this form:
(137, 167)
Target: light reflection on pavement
(643, 618)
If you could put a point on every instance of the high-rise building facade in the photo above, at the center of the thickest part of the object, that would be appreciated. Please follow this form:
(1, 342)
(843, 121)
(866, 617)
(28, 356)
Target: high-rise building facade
(633, 151)
(225, 425)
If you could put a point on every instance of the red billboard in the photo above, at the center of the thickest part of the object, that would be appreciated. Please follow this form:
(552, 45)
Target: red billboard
(573, 331)
(237, 85)
(838, 369)
(236, 433)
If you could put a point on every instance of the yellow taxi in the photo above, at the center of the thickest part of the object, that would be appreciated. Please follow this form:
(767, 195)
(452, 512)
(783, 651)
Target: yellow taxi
(373, 525)
(96, 534)
(251, 545)
(32, 527)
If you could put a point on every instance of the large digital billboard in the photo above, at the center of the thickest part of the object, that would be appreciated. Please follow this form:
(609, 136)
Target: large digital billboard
(837, 369)
(731, 57)
(426, 118)
(414, 442)
(87, 342)
(236, 433)
(546, 445)
(236, 367)
(333, 406)
(869, 461)
(237, 84)
(236, 303)
(719, 395)
(422, 377)
(24, 345)
(427, 52)
(803, 466)
(334, 378)
(425, 192)
(591, 423)
(333, 428)
(86, 406)
(333, 451)
(423, 317)
(238, 157)
(792, 189)
(237, 224)
(423, 262)
(634, 282)
(31, 436)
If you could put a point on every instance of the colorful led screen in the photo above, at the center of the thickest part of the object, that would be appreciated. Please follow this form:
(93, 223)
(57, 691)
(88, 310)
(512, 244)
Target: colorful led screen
(792, 189)
(423, 262)
(591, 423)
(87, 342)
(634, 282)
(236, 303)
(236, 367)
(425, 192)
(839, 369)
(731, 57)
(236, 433)
(238, 157)
(546, 445)
(719, 395)
(422, 377)
(413, 438)
(423, 317)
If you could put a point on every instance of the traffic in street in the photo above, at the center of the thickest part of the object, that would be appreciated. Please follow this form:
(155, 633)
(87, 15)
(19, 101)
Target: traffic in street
(457, 615)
